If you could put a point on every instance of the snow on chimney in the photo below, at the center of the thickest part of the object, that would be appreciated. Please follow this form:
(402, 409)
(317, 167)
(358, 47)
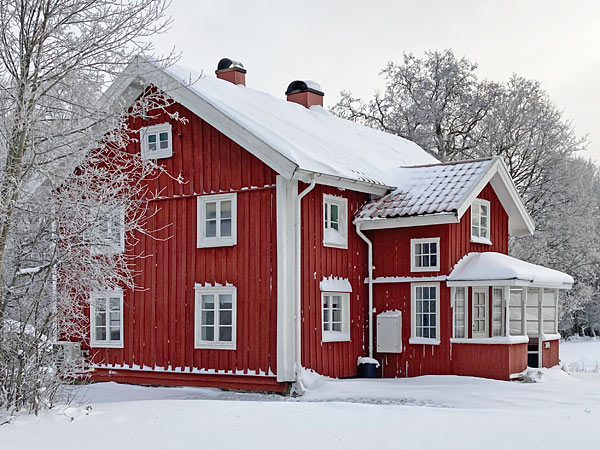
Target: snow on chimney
(306, 93)
(232, 71)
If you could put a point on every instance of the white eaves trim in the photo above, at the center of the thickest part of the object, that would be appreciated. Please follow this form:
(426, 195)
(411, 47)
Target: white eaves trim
(409, 221)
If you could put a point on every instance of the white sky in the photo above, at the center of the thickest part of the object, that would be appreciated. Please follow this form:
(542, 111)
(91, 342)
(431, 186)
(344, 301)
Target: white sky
(343, 45)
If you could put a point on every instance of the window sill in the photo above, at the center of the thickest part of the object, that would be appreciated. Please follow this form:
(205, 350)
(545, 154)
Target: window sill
(335, 245)
(478, 240)
(335, 337)
(214, 346)
(101, 344)
(423, 341)
(216, 243)
(149, 157)
(425, 269)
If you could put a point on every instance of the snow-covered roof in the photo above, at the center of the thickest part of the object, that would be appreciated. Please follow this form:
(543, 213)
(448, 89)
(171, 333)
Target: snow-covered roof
(497, 266)
(430, 189)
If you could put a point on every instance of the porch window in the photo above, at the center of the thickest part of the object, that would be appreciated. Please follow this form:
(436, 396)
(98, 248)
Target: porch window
(425, 315)
(217, 220)
(157, 141)
(549, 313)
(480, 221)
(516, 311)
(335, 315)
(335, 223)
(497, 311)
(460, 311)
(425, 255)
(215, 317)
(106, 318)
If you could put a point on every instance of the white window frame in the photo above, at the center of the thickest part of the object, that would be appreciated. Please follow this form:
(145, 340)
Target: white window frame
(414, 339)
(466, 311)
(344, 334)
(156, 129)
(476, 215)
(107, 294)
(413, 255)
(486, 320)
(217, 241)
(502, 290)
(199, 291)
(342, 204)
(110, 248)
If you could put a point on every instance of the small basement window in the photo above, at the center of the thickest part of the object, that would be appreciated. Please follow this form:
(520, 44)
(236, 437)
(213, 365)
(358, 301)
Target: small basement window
(335, 223)
(106, 318)
(157, 141)
(215, 317)
(480, 221)
(335, 316)
(217, 220)
(425, 255)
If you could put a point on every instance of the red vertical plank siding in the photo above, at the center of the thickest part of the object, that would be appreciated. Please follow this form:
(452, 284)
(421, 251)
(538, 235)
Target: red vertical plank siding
(337, 359)
(550, 357)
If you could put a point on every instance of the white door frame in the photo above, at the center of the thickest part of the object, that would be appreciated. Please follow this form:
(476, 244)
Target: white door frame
(486, 292)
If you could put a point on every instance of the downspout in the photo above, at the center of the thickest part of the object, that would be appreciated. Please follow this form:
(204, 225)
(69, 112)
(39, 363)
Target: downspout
(298, 317)
(370, 274)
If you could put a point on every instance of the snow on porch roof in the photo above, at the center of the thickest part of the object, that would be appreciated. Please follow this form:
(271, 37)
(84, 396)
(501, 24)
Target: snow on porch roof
(497, 266)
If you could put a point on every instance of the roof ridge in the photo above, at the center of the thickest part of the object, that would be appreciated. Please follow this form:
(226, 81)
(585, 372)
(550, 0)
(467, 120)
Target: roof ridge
(451, 163)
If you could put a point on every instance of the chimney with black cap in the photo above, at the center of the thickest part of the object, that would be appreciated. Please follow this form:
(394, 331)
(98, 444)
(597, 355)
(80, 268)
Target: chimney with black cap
(232, 71)
(306, 93)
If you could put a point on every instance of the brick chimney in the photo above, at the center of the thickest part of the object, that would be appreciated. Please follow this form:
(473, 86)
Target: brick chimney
(232, 71)
(306, 93)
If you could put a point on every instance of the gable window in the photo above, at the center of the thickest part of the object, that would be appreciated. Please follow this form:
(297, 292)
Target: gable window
(460, 312)
(335, 223)
(425, 255)
(109, 235)
(106, 318)
(335, 316)
(425, 302)
(217, 220)
(157, 141)
(215, 317)
(480, 221)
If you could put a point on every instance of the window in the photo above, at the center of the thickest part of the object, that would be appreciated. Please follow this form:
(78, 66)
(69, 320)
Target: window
(425, 255)
(480, 222)
(425, 307)
(157, 141)
(106, 318)
(335, 316)
(497, 312)
(215, 317)
(109, 234)
(217, 220)
(335, 224)
(460, 312)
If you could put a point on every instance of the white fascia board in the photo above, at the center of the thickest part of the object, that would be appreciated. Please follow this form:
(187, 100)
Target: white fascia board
(506, 282)
(409, 221)
(342, 183)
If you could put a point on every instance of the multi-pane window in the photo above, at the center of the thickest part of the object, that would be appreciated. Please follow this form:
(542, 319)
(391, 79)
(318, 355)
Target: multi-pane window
(106, 318)
(480, 221)
(425, 255)
(335, 316)
(335, 224)
(460, 311)
(215, 317)
(425, 311)
(157, 141)
(497, 308)
(217, 220)
(111, 231)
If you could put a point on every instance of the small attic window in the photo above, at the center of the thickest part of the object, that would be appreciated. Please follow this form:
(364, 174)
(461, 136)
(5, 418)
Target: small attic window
(480, 222)
(335, 223)
(157, 141)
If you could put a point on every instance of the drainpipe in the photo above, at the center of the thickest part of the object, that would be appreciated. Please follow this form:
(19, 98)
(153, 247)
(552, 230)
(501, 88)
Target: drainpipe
(370, 273)
(298, 317)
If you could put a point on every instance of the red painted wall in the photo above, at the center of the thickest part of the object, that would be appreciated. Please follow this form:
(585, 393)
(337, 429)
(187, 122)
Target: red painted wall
(488, 361)
(550, 356)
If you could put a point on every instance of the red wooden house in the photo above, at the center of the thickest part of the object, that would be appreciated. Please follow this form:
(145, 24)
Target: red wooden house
(299, 239)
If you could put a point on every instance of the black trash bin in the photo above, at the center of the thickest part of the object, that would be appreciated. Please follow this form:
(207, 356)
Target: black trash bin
(368, 368)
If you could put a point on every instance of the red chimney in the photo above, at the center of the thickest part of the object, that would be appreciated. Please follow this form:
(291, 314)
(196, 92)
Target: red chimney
(306, 93)
(231, 71)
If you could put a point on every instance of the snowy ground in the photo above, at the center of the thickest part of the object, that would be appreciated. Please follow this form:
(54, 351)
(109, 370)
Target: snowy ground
(558, 412)
(581, 354)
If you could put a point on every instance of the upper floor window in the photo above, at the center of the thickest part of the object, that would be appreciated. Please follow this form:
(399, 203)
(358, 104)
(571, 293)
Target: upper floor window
(425, 307)
(157, 141)
(109, 235)
(106, 318)
(480, 221)
(215, 317)
(217, 220)
(335, 316)
(425, 255)
(335, 223)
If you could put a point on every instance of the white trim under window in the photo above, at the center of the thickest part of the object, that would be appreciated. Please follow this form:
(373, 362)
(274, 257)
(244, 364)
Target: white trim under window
(480, 221)
(335, 221)
(425, 313)
(335, 316)
(215, 317)
(106, 318)
(157, 141)
(425, 255)
(217, 220)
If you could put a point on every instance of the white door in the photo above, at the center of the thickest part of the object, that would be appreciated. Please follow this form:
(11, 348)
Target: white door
(480, 313)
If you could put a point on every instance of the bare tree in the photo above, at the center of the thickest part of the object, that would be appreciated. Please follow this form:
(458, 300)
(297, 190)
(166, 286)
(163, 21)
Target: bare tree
(64, 166)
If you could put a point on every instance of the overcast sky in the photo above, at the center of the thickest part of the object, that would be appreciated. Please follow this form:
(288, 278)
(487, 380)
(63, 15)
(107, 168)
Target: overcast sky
(344, 44)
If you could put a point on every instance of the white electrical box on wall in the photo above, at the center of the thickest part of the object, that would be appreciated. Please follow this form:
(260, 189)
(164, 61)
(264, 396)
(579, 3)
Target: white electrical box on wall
(389, 332)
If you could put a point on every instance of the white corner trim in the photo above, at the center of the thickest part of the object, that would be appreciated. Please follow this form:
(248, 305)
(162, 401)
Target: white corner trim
(498, 340)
